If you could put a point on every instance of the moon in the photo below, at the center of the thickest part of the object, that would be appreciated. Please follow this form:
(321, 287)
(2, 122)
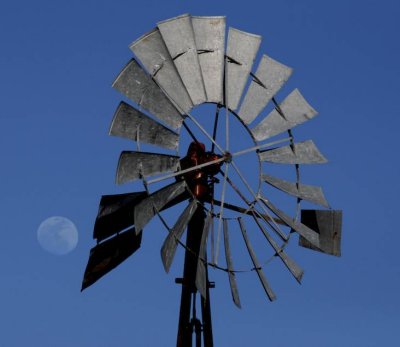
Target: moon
(57, 235)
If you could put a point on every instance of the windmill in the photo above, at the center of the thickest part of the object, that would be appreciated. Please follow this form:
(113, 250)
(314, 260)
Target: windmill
(183, 63)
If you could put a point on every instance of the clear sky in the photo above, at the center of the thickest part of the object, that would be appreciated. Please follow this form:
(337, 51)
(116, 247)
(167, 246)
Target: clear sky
(57, 62)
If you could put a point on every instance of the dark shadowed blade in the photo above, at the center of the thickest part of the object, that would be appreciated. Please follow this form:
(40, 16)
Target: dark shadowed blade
(294, 269)
(115, 214)
(134, 165)
(168, 249)
(257, 267)
(268, 79)
(138, 86)
(109, 254)
(300, 153)
(241, 51)
(154, 55)
(294, 110)
(147, 208)
(209, 33)
(201, 278)
(178, 36)
(132, 124)
(328, 224)
(310, 193)
(229, 264)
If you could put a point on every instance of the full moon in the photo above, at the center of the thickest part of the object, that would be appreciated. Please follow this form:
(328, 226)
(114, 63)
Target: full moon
(57, 235)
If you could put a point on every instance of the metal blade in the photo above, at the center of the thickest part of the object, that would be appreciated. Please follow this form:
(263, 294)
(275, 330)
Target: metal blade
(134, 165)
(201, 278)
(209, 33)
(147, 208)
(240, 54)
(257, 267)
(294, 269)
(138, 86)
(300, 153)
(328, 224)
(229, 263)
(130, 123)
(178, 36)
(301, 229)
(268, 79)
(168, 249)
(109, 254)
(153, 54)
(115, 214)
(302, 191)
(293, 111)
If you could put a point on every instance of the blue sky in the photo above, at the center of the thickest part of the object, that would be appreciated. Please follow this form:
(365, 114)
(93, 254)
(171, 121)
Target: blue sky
(57, 62)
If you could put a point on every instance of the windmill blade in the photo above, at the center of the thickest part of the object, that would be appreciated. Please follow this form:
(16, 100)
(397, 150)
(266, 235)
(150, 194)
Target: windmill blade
(148, 207)
(178, 36)
(168, 249)
(132, 124)
(294, 110)
(268, 79)
(109, 254)
(309, 234)
(229, 263)
(138, 86)
(294, 269)
(133, 165)
(154, 55)
(306, 192)
(328, 224)
(201, 277)
(299, 153)
(115, 214)
(209, 33)
(257, 267)
(240, 54)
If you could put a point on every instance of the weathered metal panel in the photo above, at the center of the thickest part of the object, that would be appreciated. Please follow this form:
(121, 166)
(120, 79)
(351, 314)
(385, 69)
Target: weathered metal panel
(109, 254)
(268, 79)
(132, 124)
(147, 208)
(306, 192)
(115, 214)
(241, 51)
(133, 165)
(328, 224)
(154, 55)
(229, 264)
(209, 33)
(168, 249)
(178, 36)
(257, 267)
(300, 153)
(294, 110)
(138, 86)
(201, 278)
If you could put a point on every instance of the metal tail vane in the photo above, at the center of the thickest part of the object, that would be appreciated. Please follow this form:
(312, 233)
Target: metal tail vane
(180, 64)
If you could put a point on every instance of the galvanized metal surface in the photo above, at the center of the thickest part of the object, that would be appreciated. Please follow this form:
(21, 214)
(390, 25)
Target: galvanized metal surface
(168, 249)
(294, 110)
(201, 276)
(209, 33)
(257, 267)
(306, 192)
(229, 264)
(154, 55)
(147, 208)
(138, 86)
(132, 124)
(300, 153)
(268, 79)
(241, 51)
(178, 36)
(134, 165)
